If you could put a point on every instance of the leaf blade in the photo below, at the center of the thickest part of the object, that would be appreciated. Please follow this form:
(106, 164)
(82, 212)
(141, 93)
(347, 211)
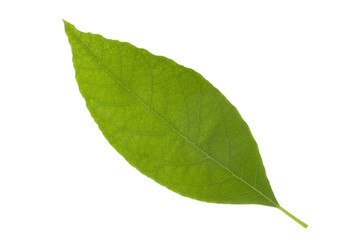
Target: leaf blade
(223, 175)
(212, 187)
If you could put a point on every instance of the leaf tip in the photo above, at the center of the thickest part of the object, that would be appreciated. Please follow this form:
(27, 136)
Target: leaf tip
(67, 25)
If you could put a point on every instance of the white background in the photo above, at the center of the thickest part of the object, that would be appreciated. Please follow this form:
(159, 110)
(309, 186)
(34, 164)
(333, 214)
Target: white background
(292, 68)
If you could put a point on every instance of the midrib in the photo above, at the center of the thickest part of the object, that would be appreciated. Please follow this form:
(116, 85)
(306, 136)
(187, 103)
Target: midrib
(164, 121)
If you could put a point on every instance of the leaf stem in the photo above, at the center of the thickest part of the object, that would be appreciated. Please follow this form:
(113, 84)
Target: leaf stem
(293, 217)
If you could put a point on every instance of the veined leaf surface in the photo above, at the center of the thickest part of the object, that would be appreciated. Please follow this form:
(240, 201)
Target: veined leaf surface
(169, 122)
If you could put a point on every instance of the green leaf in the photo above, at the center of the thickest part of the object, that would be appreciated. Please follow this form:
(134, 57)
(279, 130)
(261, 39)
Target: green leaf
(169, 122)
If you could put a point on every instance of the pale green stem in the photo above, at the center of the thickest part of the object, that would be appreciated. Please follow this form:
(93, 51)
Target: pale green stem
(293, 217)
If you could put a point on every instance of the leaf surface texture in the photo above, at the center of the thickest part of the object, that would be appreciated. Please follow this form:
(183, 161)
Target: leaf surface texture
(169, 122)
